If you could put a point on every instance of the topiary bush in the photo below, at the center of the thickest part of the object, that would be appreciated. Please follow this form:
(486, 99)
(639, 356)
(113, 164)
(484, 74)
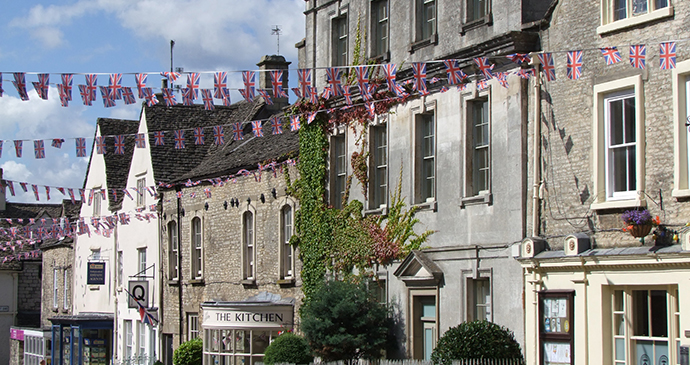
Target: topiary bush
(189, 353)
(475, 340)
(288, 348)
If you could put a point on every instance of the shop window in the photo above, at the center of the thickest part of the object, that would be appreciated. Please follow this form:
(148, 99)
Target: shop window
(173, 253)
(192, 326)
(378, 190)
(338, 170)
(379, 28)
(287, 251)
(197, 249)
(249, 244)
(236, 346)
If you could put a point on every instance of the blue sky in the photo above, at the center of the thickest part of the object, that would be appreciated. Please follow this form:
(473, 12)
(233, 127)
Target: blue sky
(119, 36)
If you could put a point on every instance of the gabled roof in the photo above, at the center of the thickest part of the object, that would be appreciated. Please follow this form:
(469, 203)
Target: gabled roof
(117, 166)
(419, 269)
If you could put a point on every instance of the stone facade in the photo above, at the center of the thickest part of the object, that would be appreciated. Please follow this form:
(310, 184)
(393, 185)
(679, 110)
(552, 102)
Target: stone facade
(58, 260)
(29, 294)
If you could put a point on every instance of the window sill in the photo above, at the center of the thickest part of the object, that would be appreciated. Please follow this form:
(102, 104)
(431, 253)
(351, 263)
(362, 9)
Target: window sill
(680, 193)
(635, 21)
(485, 198)
(249, 282)
(428, 205)
(619, 204)
(94, 287)
(286, 282)
(173, 282)
(433, 40)
(382, 58)
(477, 23)
(382, 210)
(55, 310)
(199, 281)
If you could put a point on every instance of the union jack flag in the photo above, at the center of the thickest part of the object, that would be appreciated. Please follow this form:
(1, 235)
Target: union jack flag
(140, 140)
(119, 145)
(199, 133)
(71, 195)
(526, 73)
(207, 191)
(311, 117)
(81, 147)
(455, 74)
(218, 135)
(100, 145)
(237, 132)
(444, 89)
(574, 65)
(481, 85)
(326, 93)
(297, 92)
(151, 98)
(548, 68)
(172, 76)
(220, 84)
(140, 80)
(638, 54)
(371, 109)
(419, 69)
(169, 96)
(484, 66)
(91, 85)
(267, 98)
(245, 95)
(313, 95)
(35, 189)
(611, 55)
(333, 79)
(257, 128)
(67, 85)
(277, 83)
(502, 78)
(347, 94)
(276, 125)
(304, 80)
(128, 95)
(63, 96)
(179, 139)
(108, 100)
(39, 150)
(362, 73)
(42, 86)
(20, 84)
(294, 123)
(115, 86)
(57, 142)
(390, 71)
(207, 98)
(226, 100)
(193, 84)
(158, 138)
(85, 95)
(366, 94)
(249, 79)
(519, 58)
(187, 96)
(667, 55)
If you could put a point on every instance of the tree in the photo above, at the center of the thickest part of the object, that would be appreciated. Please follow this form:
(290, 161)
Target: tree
(288, 348)
(343, 321)
(476, 340)
(189, 353)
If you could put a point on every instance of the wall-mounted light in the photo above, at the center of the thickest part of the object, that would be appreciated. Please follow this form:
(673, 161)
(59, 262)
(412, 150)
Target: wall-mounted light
(225, 205)
(262, 198)
(206, 206)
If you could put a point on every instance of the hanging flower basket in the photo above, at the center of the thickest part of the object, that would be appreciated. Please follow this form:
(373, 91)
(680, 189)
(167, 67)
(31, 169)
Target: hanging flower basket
(639, 231)
(640, 222)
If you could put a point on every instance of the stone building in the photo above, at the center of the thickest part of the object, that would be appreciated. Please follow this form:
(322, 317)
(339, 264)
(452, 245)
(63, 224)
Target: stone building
(463, 152)
(611, 141)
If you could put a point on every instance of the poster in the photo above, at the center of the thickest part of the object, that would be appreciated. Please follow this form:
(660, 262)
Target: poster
(556, 353)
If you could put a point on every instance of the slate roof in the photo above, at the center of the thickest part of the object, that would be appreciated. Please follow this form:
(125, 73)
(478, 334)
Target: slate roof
(117, 166)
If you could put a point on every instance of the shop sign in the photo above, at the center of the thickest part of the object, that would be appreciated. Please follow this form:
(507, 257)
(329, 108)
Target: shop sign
(139, 290)
(265, 316)
(17, 334)
(95, 273)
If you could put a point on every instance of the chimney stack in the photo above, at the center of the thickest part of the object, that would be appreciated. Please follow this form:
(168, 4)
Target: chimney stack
(273, 63)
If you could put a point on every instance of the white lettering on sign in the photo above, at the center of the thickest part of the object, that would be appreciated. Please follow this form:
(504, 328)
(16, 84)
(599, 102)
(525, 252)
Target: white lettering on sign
(249, 317)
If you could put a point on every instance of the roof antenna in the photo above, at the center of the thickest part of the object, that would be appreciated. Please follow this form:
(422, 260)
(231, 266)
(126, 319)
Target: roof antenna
(276, 31)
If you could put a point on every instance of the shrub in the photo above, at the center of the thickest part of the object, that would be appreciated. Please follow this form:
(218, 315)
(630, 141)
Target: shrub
(189, 353)
(475, 340)
(288, 348)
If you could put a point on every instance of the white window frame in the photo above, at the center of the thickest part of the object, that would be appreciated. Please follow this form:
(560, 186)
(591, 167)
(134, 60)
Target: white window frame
(681, 147)
(128, 339)
(141, 260)
(141, 340)
(65, 289)
(197, 248)
(34, 347)
(470, 194)
(471, 278)
(419, 157)
(249, 245)
(378, 181)
(56, 288)
(339, 169)
(604, 197)
(141, 196)
(120, 267)
(380, 29)
(608, 24)
(192, 326)
(287, 251)
(97, 197)
(173, 250)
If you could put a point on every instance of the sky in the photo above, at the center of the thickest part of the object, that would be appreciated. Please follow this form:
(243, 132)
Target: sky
(119, 36)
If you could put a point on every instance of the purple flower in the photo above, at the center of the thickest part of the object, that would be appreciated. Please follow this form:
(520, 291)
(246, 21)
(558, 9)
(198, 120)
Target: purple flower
(637, 217)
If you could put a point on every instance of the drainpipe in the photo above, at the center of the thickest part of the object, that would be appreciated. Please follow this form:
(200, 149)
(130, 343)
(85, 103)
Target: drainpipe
(114, 269)
(179, 262)
(537, 147)
(161, 224)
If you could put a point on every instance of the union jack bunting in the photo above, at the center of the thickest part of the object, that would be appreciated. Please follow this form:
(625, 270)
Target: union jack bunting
(220, 84)
(443, 89)
(390, 71)
(455, 74)
(115, 86)
(226, 100)
(218, 135)
(264, 94)
(326, 93)
(277, 83)
(35, 190)
(519, 58)
(237, 132)
(48, 192)
(20, 84)
(63, 96)
(548, 68)
(611, 55)
(419, 69)
(80, 144)
(310, 117)
(574, 65)
(304, 80)
(100, 145)
(39, 150)
(249, 79)
(502, 78)
(42, 86)
(128, 194)
(257, 128)
(193, 84)
(245, 95)
(638, 55)
(85, 95)
(333, 79)
(159, 138)
(140, 140)
(207, 97)
(172, 76)
(313, 95)
(150, 97)
(371, 109)
(57, 142)
(24, 187)
(67, 85)
(347, 94)
(187, 96)
(294, 123)
(140, 80)
(481, 85)
(199, 133)
(667, 55)
(128, 95)
(169, 96)
(108, 100)
(179, 139)
(207, 191)
(297, 92)
(362, 74)
(91, 85)
(119, 145)
(484, 66)
(276, 125)
(526, 73)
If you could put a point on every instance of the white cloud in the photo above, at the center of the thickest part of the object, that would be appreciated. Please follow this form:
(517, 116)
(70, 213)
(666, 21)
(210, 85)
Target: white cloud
(50, 37)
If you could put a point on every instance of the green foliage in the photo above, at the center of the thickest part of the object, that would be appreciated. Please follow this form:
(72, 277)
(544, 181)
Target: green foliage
(189, 353)
(475, 340)
(288, 348)
(343, 321)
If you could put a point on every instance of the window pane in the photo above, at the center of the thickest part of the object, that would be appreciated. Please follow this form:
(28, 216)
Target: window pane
(660, 4)
(640, 313)
(659, 313)
(619, 11)
(620, 349)
(616, 122)
(639, 7)
(629, 120)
